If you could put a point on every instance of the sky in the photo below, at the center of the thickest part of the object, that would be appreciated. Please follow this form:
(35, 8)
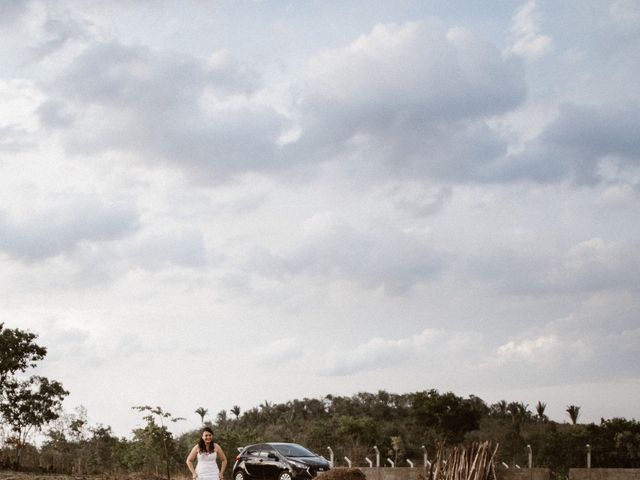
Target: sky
(217, 203)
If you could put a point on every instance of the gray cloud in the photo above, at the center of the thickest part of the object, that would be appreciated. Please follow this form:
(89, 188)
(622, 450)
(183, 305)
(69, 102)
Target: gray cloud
(589, 266)
(409, 99)
(59, 229)
(414, 97)
(419, 200)
(14, 138)
(11, 10)
(576, 143)
(172, 108)
(329, 246)
(179, 248)
(57, 32)
(55, 114)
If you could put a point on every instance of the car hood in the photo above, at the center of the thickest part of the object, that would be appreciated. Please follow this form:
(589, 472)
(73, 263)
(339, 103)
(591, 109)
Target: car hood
(312, 461)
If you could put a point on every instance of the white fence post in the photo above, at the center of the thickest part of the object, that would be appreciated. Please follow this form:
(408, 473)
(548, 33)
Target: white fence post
(330, 456)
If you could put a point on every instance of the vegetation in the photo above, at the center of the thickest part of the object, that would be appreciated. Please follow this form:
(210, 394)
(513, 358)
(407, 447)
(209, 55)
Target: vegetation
(398, 424)
(26, 405)
(574, 412)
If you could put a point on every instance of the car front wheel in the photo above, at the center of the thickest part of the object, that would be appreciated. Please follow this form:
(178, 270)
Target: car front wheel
(284, 476)
(239, 475)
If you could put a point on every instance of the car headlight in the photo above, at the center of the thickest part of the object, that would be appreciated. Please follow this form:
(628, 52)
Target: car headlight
(300, 465)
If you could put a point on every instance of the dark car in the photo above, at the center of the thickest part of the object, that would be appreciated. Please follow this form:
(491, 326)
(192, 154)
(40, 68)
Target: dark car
(278, 461)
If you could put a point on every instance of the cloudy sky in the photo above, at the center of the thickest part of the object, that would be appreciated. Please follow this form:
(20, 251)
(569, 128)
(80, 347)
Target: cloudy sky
(217, 203)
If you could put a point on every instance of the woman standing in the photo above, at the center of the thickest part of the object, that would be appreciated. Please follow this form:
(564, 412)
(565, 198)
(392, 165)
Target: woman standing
(207, 453)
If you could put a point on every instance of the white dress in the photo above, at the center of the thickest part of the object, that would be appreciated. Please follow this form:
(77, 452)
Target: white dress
(207, 467)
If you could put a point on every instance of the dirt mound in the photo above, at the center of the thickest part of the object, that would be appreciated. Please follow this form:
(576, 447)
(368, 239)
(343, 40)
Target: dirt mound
(341, 473)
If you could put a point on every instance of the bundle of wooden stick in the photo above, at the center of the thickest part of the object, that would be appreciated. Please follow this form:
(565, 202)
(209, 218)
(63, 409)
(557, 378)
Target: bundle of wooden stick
(464, 463)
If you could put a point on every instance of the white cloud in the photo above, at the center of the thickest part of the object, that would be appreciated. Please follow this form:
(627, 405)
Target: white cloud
(409, 99)
(540, 350)
(375, 354)
(527, 39)
(597, 264)
(280, 350)
(431, 349)
(18, 101)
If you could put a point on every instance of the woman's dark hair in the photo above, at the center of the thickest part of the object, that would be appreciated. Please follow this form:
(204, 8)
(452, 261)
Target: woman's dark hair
(203, 446)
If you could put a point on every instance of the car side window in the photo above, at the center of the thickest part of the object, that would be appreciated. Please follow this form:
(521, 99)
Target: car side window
(266, 450)
(252, 451)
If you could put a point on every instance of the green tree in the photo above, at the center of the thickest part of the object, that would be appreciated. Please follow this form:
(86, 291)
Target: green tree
(519, 413)
(449, 415)
(357, 434)
(499, 409)
(18, 351)
(28, 405)
(153, 431)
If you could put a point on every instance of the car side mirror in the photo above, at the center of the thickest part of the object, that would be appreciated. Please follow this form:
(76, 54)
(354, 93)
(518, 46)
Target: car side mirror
(272, 455)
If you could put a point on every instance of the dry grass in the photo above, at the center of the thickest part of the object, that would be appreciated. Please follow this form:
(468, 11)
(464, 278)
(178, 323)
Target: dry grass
(474, 463)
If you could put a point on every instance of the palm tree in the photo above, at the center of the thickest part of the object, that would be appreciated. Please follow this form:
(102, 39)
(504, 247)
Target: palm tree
(221, 418)
(574, 413)
(519, 413)
(236, 411)
(540, 408)
(202, 412)
(500, 409)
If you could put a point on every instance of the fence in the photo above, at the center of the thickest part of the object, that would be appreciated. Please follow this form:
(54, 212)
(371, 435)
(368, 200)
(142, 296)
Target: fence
(406, 473)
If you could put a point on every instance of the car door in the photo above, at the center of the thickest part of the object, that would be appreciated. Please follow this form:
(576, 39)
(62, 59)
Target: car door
(252, 461)
(271, 463)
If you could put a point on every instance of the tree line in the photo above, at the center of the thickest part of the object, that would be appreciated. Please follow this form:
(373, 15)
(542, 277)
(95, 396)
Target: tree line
(398, 424)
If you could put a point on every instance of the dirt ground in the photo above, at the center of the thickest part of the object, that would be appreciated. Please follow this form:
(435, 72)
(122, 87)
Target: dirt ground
(335, 474)
(342, 474)
(11, 475)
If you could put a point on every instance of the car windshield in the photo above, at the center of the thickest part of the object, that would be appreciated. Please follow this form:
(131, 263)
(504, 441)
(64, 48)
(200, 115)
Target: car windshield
(293, 450)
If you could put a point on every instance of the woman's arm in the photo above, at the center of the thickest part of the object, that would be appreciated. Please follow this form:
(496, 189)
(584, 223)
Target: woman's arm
(190, 459)
(223, 460)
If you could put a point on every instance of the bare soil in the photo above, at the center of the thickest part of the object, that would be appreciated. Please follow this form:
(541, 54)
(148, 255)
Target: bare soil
(12, 475)
(340, 473)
